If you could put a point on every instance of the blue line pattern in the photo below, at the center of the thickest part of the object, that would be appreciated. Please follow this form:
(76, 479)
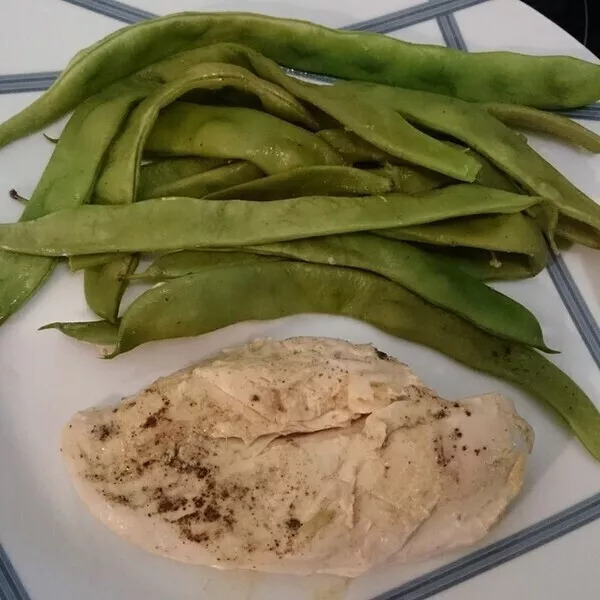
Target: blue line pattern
(453, 38)
(588, 113)
(498, 552)
(575, 304)
(11, 587)
(412, 16)
(114, 10)
(27, 82)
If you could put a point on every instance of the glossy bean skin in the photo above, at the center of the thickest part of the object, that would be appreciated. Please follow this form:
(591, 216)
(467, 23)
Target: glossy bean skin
(186, 262)
(68, 180)
(271, 144)
(173, 223)
(90, 261)
(487, 247)
(200, 303)
(530, 119)
(163, 171)
(119, 178)
(100, 333)
(412, 180)
(211, 182)
(491, 138)
(353, 148)
(548, 82)
(423, 274)
(105, 285)
(307, 181)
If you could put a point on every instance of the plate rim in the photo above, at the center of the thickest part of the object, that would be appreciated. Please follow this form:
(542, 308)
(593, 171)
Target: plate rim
(495, 553)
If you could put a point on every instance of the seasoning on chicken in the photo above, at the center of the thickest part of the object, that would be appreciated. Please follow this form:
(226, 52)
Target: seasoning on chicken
(299, 456)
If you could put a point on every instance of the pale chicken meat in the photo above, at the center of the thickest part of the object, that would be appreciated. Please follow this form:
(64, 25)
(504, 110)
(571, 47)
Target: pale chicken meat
(298, 456)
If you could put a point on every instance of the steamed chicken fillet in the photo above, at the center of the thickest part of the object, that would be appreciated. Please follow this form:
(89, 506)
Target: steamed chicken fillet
(299, 456)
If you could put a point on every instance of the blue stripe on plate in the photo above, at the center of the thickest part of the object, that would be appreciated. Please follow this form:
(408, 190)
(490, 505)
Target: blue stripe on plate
(116, 10)
(11, 587)
(589, 113)
(412, 16)
(498, 553)
(451, 33)
(575, 304)
(27, 82)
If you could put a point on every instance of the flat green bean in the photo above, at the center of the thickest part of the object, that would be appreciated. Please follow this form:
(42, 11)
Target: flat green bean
(530, 119)
(68, 180)
(412, 180)
(352, 148)
(271, 144)
(548, 82)
(187, 223)
(488, 247)
(422, 273)
(186, 262)
(488, 136)
(101, 333)
(307, 181)
(89, 261)
(164, 171)
(235, 174)
(200, 303)
(119, 178)
(105, 285)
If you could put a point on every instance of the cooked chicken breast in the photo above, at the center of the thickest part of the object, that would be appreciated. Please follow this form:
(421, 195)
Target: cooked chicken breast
(299, 456)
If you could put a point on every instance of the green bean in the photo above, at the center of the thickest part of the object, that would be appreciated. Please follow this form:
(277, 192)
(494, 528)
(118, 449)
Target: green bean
(380, 126)
(307, 181)
(575, 231)
(210, 182)
(101, 333)
(164, 171)
(186, 223)
(488, 247)
(488, 136)
(421, 273)
(271, 144)
(89, 261)
(547, 82)
(118, 181)
(186, 262)
(105, 285)
(352, 148)
(68, 180)
(200, 303)
(412, 180)
(530, 119)
(489, 265)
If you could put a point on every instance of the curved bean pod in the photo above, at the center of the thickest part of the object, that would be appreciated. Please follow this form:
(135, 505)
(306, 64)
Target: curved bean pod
(68, 180)
(101, 333)
(307, 181)
(423, 274)
(174, 223)
(530, 119)
(271, 144)
(118, 181)
(548, 82)
(211, 182)
(166, 170)
(488, 136)
(186, 262)
(200, 303)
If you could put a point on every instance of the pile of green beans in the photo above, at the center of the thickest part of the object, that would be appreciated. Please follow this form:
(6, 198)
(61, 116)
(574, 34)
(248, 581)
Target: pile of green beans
(392, 197)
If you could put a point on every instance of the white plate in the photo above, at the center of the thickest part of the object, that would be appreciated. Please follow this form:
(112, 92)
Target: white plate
(55, 550)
